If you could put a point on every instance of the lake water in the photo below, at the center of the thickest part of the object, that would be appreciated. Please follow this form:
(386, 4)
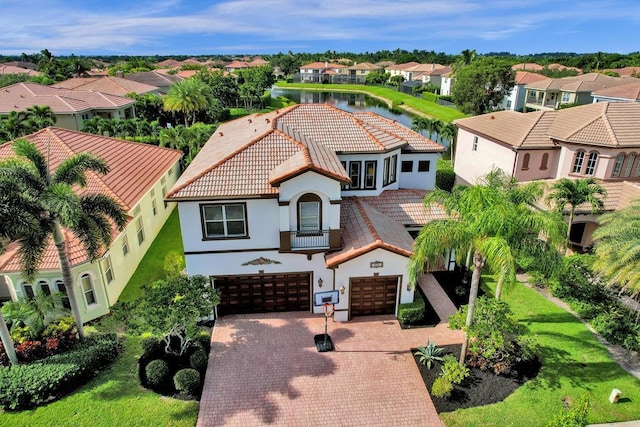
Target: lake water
(348, 101)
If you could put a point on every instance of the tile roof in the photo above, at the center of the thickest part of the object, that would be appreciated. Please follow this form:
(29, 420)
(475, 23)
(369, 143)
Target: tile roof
(406, 207)
(169, 63)
(107, 84)
(527, 66)
(442, 71)
(526, 130)
(582, 83)
(620, 194)
(365, 66)
(424, 68)
(609, 124)
(134, 169)
(249, 156)
(402, 66)
(525, 77)
(12, 69)
(364, 229)
(624, 71)
(627, 92)
(154, 78)
(20, 96)
(321, 65)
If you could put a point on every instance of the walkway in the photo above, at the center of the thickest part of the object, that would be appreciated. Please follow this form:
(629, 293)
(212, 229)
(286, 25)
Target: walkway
(437, 297)
(265, 369)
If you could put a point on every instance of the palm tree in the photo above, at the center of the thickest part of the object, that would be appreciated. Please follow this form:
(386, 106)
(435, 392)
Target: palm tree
(448, 132)
(48, 202)
(574, 192)
(487, 219)
(187, 97)
(617, 248)
(39, 117)
(7, 342)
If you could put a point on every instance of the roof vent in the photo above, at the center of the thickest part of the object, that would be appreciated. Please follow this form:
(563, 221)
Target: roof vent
(220, 133)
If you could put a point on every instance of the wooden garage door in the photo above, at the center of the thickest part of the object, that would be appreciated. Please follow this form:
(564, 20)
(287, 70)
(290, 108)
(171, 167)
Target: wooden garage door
(373, 295)
(263, 293)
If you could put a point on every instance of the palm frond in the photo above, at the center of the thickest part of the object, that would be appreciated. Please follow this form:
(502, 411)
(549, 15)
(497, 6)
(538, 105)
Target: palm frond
(73, 170)
(27, 149)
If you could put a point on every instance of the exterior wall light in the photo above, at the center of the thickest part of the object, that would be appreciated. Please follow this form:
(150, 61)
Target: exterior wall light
(342, 289)
(320, 282)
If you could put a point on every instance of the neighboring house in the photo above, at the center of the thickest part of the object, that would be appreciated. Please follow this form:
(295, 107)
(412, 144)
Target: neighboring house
(528, 66)
(397, 69)
(516, 99)
(358, 72)
(416, 72)
(323, 72)
(169, 63)
(442, 78)
(155, 78)
(243, 65)
(139, 177)
(22, 64)
(624, 72)
(629, 92)
(595, 140)
(71, 107)
(12, 69)
(107, 84)
(549, 94)
(311, 198)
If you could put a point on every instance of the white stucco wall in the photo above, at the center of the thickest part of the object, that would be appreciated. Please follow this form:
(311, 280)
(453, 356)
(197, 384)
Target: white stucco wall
(469, 165)
(415, 179)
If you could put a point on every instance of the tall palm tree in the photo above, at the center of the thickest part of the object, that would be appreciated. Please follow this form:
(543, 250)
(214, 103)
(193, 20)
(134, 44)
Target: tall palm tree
(187, 97)
(49, 202)
(574, 192)
(617, 248)
(448, 132)
(488, 219)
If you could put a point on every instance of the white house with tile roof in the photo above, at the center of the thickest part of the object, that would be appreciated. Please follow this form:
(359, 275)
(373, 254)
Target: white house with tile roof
(595, 140)
(139, 176)
(279, 206)
(107, 84)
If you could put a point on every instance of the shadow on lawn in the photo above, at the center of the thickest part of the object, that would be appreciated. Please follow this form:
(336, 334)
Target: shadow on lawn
(262, 359)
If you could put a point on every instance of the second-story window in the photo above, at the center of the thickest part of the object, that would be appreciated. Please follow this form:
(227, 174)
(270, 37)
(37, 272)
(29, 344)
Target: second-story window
(370, 174)
(544, 162)
(474, 147)
(407, 166)
(591, 163)
(631, 158)
(224, 221)
(108, 269)
(140, 230)
(525, 161)
(577, 162)
(354, 174)
(389, 170)
(309, 213)
(618, 166)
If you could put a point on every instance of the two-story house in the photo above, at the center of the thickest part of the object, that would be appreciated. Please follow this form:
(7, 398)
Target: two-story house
(324, 72)
(358, 72)
(516, 99)
(139, 176)
(596, 140)
(279, 206)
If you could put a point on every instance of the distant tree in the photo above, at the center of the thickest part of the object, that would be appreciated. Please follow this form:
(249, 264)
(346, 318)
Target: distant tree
(396, 81)
(253, 82)
(480, 86)
(39, 117)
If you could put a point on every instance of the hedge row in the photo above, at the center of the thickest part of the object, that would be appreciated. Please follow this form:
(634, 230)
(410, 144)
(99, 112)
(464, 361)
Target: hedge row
(412, 312)
(27, 386)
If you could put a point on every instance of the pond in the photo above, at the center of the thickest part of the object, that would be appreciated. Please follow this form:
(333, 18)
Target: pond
(348, 101)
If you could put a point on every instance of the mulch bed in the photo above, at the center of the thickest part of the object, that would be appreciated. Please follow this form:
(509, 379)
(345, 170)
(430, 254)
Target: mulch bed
(481, 387)
(453, 285)
(430, 318)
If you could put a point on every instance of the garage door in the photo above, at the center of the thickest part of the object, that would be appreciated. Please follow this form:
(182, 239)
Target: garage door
(263, 293)
(373, 295)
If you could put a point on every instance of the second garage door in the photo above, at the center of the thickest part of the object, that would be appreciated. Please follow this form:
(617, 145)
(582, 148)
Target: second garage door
(263, 293)
(373, 295)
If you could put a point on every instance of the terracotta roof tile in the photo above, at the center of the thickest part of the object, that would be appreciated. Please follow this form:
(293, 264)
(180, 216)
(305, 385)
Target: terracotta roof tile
(107, 84)
(525, 77)
(626, 92)
(11, 69)
(134, 169)
(532, 66)
(406, 206)
(582, 83)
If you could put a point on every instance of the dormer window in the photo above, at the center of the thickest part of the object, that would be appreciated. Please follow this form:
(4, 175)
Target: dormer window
(309, 213)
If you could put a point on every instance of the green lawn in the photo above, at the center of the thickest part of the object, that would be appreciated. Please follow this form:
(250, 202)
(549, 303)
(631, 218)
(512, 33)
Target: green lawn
(575, 364)
(151, 266)
(395, 98)
(113, 398)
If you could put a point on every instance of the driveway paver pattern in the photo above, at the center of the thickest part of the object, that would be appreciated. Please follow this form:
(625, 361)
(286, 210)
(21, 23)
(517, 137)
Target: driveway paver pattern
(264, 369)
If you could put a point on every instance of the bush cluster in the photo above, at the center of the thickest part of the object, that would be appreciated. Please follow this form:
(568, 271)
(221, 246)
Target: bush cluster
(157, 372)
(441, 387)
(27, 386)
(596, 304)
(187, 381)
(412, 312)
(445, 175)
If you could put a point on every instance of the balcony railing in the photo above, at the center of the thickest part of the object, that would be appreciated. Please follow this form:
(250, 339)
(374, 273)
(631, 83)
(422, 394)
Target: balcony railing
(309, 239)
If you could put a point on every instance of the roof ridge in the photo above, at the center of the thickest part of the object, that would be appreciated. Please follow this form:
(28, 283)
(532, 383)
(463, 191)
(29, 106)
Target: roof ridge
(607, 123)
(366, 219)
(531, 128)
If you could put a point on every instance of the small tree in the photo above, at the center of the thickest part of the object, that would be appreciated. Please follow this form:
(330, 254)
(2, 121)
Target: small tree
(172, 307)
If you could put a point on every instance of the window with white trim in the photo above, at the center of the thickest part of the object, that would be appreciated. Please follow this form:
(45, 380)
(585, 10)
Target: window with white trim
(108, 269)
(591, 163)
(309, 213)
(224, 221)
(617, 168)
(474, 147)
(164, 193)
(63, 290)
(354, 174)
(140, 230)
(44, 287)
(389, 170)
(631, 158)
(154, 207)
(577, 162)
(87, 289)
(370, 174)
(125, 245)
(566, 96)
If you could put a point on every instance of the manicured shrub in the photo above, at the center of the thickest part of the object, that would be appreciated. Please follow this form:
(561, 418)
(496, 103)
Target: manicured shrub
(156, 372)
(26, 386)
(412, 312)
(198, 360)
(452, 371)
(445, 176)
(187, 381)
(151, 346)
(63, 325)
(21, 334)
(441, 387)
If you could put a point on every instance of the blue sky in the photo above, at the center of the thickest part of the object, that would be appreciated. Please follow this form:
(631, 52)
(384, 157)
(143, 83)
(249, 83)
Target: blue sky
(165, 27)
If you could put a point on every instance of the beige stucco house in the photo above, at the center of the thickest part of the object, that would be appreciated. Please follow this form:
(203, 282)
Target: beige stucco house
(71, 107)
(139, 178)
(598, 140)
(111, 85)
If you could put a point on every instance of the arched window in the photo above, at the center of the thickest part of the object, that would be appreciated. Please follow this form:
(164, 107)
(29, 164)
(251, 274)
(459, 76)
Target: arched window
(87, 289)
(525, 161)
(309, 213)
(544, 162)
(618, 166)
(44, 287)
(27, 290)
(591, 163)
(637, 171)
(63, 290)
(577, 162)
(631, 158)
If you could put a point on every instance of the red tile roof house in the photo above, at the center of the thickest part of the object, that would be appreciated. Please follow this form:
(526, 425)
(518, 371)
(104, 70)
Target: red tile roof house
(71, 107)
(323, 72)
(279, 206)
(107, 84)
(139, 178)
(596, 140)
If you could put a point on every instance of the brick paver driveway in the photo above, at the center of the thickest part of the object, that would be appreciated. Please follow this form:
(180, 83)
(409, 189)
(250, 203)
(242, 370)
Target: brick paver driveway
(265, 369)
